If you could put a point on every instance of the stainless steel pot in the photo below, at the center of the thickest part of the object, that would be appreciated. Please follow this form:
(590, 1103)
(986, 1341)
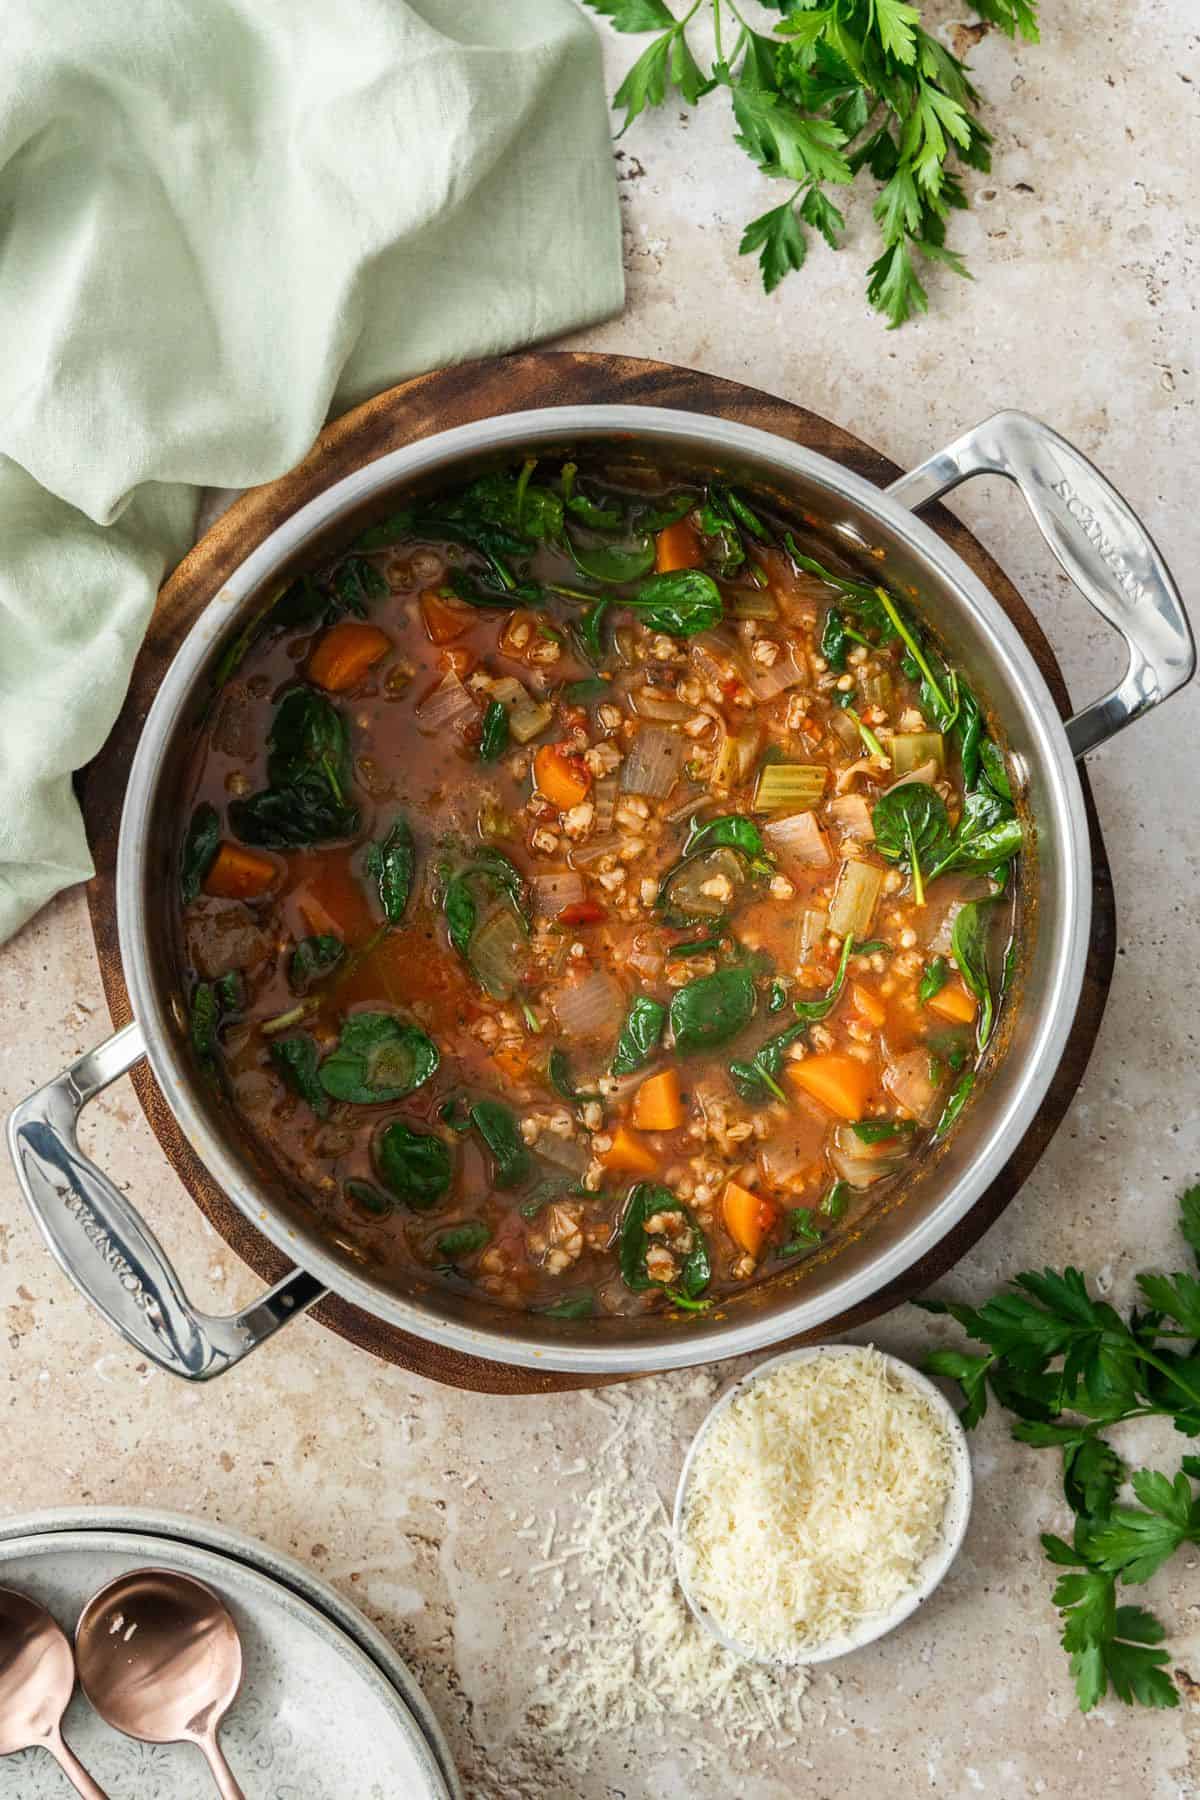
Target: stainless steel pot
(100, 1239)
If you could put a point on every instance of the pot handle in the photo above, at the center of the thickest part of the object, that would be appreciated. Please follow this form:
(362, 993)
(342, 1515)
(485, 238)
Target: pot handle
(98, 1239)
(1100, 543)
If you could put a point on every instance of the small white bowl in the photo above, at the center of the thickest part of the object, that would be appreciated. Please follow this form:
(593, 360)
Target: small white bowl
(937, 1560)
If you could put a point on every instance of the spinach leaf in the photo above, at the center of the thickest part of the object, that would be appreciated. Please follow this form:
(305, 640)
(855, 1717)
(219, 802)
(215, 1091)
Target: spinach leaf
(355, 583)
(370, 1198)
(611, 562)
(199, 850)
(489, 595)
(994, 769)
(491, 873)
(717, 522)
(679, 603)
(308, 767)
(834, 640)
(390, 864)
(572, 1306)
(291, 818)
(811, 1012)
(388, 531)
(936, 975)
(989, 835)
(912, 828)
(836, 1203)
(959, 1096)
(552, 1187)
(463, 1240)
(696, 947)
(858, 597)
(712, 1010)
(517, 503)
(296, 1059)
(804, 1234)
(645, 1201)
(593, 688)
(733, 831)
(231, 991)
(777, 996)
(878, 1131)
(968, 728)
(500, 1132)
(415, 1165)
(378, 1058)
(600, 518)
(657, 518)
(759, 1076)
(746, 517)
(587, 632)
(640, 1035)
(312, 958)
(558, 1068)
(968, 946)
(204, 1013)
(494, 741)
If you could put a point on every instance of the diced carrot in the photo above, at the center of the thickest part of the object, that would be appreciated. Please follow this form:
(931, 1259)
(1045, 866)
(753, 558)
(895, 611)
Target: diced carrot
(841, 1083)
(678, 546)
(445, 619)
(656, 1105)
(953, 1002)
(345, 653)
(629, 1154)
(867, 1005)
(562, 779)
(512, 1061)
(748, 1217)
(239, 874)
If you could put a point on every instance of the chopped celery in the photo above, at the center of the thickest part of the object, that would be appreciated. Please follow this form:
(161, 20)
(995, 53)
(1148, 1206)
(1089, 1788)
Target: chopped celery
(814, 923)
(528, 718)
(910, 749)
(854, 899)
(795, 786)
(753, 603)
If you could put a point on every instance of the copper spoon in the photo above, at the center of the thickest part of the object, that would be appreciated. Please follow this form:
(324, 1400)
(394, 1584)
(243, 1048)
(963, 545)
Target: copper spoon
(160, 1659)
(37, 1679)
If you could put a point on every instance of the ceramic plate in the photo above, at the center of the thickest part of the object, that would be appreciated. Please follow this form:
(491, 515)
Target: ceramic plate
(178, 1527)
(316, 1719)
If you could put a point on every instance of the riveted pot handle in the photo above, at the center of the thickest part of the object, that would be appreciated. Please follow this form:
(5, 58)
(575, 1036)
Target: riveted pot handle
(101, 1242)
(1100, 543)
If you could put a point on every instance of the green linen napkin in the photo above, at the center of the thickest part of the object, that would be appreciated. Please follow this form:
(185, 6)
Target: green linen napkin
(220, 221)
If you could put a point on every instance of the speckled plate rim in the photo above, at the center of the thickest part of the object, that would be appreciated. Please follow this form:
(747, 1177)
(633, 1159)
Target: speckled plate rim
(284, 1571)
(937, 1561)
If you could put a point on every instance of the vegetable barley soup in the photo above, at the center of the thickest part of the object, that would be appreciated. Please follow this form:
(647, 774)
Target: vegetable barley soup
(589, 896)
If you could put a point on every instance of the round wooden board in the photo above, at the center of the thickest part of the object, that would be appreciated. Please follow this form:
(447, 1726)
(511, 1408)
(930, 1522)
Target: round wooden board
(418, 409)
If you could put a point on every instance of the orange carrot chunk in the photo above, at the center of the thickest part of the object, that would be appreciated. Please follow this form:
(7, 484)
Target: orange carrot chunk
(841, 1083)
(747, 1217)
(678, 546)
(657, 1105)
(561, 779)
(239, 874)
(954, 1003)
(444, 619)
(345, 653)
(629, 1154)
(867, 1005)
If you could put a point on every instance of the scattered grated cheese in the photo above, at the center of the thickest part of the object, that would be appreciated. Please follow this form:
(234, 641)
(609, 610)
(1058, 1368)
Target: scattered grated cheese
(813, 1500)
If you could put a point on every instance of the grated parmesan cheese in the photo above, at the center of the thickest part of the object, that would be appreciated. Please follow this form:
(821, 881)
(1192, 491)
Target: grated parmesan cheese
(814, 1498)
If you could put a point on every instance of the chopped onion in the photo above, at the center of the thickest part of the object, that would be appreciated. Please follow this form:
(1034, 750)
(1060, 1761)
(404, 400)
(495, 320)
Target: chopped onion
(862, 1164)
(652, 703)
(907, 1080)
(564, 1153)
(653, 764)
(844, 727)
(736, 756)
(498, 953)
(787, 671)
(799, 840)
(448, 707)
(529, 717)
(814, 923)
(792, 1153)
(852, 816)
(507, 689)
(557, 889)
(604, 802)
(590, 1008)
(864, 766)
(585, 855)
(721, 867)
(854, 899)
(926, 773)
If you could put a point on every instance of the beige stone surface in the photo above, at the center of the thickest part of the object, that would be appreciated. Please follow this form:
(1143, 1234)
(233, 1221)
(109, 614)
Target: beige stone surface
(413, 1499)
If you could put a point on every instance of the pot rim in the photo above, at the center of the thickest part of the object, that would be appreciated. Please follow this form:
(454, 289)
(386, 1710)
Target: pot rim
(705, 1340)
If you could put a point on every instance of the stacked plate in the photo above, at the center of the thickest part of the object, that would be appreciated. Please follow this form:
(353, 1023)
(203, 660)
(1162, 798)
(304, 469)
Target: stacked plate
(326, 1710)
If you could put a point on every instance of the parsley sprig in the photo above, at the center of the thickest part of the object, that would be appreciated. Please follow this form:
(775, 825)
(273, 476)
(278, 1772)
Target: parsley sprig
(841, 86)
(1071, 1367)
